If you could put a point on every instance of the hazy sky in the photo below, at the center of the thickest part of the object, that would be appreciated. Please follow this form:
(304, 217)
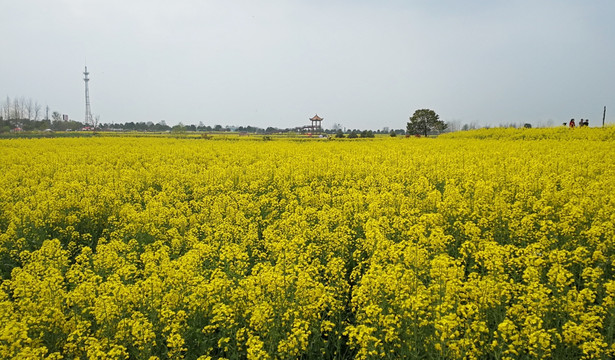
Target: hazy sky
(363, 64)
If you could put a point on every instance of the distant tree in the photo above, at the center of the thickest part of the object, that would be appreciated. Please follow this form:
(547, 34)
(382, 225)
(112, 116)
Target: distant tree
(353, 135)
(57, 124)
(28, 106)
(367, 134)
(393, 133)
(339, 134)
(17, 111)
(424, 121)
(37, 110)
(5, 126)
(161, 126)
(6, 109)
(45, 124)
(179, 128)
(453, 125)
(56, 116)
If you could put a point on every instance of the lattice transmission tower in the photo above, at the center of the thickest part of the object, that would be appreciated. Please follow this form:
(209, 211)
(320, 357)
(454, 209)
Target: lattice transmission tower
(89, 121)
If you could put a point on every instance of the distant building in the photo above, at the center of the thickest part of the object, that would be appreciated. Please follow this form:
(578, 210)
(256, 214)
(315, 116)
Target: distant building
(315, 126)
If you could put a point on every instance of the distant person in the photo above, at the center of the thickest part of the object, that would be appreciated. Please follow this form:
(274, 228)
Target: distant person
(587, 122)
(571, 123)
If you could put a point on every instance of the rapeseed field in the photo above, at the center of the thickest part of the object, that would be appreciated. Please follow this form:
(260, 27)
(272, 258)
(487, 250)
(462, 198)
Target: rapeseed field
(490, 244)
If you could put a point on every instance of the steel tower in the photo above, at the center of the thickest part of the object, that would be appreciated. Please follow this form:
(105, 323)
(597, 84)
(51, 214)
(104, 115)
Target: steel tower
(88, 112)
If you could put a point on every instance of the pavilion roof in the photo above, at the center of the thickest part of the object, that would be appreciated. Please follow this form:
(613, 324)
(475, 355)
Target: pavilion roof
(316, 118)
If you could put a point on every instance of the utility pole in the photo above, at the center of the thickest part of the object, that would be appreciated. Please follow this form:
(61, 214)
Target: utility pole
(603, 116)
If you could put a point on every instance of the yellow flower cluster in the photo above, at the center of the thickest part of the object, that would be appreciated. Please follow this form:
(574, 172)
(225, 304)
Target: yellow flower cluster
(482, 245)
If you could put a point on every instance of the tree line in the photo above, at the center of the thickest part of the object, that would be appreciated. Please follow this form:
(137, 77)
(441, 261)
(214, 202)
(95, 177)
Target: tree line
(56, 123)
(29, 115)
(21, 114)
(21, 108)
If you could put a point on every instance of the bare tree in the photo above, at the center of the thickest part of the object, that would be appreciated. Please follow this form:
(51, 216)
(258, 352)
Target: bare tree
(6, 109)
(29, 108)
(16, 112)
(21, 108)
(454, 125)
(37, 110)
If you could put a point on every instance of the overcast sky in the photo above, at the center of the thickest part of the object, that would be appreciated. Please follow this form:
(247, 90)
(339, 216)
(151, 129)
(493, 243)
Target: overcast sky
(362, 64)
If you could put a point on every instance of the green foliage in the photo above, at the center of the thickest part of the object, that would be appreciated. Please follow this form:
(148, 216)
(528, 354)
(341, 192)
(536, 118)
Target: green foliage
(424, 121)
(367, 134)
(179, 128)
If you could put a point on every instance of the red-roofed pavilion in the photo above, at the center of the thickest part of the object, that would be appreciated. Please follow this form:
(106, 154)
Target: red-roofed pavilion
(316, 123)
